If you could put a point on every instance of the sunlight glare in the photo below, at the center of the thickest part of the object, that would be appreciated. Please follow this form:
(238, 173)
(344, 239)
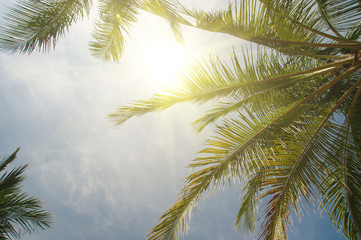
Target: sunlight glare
(165, 61)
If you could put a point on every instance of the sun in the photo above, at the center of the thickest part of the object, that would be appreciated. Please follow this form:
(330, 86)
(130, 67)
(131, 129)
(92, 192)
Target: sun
(166, 60)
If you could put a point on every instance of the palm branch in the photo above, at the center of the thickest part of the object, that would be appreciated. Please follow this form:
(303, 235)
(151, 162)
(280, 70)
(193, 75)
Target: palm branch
(19, 212)
(38, 25)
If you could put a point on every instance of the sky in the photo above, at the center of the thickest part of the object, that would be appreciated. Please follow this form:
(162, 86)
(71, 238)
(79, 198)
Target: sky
(102, 182)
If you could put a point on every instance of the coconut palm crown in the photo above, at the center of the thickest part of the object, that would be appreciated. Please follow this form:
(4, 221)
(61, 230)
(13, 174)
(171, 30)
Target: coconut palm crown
(287, 115)
(19, 212)
(287, 112)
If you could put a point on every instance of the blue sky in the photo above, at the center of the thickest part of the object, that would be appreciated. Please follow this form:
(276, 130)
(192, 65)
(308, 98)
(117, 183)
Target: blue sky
(102, 182)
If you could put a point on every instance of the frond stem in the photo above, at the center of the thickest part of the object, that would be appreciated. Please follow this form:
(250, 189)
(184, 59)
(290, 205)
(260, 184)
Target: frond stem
(259, 39)
(346, 179)
(262, 40)
(324, 17)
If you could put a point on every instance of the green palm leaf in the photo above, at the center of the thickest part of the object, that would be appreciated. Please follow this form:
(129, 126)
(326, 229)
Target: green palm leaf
(272, 24)
(167, 10)
(291, 187)
(343, 200)
(216, 80)
(18, 211)
(245, 221)
(239, 146)
(116, 17)
(38, 25)
(340, 16)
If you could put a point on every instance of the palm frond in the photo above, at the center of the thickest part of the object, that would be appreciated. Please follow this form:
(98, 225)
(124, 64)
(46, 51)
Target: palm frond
(355, 32)
(285, 27)
(340, 16)
(212, 81)
(216, 80)
(169, 11)
(343, 200)
(115, 19)
(279, 94)
(239, 142)
(245, 221)
(6, 160)
(239, 145)
(277, 78)
(294, 12)
(38, 25)
(18, 211)
(288, 192)
(25, 213)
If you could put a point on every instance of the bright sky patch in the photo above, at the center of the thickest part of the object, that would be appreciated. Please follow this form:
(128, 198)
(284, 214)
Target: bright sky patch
(166, 60)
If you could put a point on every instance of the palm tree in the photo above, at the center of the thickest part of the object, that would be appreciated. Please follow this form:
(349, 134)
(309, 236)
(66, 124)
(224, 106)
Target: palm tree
(18, 212)
(287, 118)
